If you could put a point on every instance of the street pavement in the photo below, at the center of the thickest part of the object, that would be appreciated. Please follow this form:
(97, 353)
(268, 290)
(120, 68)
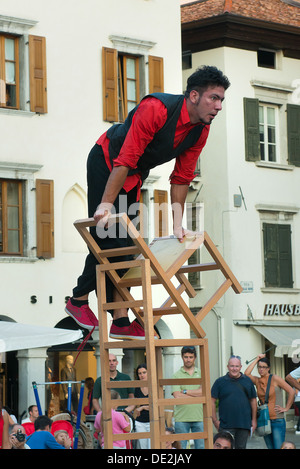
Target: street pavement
(257, 442)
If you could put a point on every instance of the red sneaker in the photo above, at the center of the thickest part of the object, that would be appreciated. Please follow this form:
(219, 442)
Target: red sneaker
(132, 332)
(83, 315)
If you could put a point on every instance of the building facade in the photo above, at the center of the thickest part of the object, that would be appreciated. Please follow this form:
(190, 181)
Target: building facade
(68, 71)
(249, 175)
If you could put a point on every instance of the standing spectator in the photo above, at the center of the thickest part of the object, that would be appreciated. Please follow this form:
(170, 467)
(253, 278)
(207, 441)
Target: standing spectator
(275, 404)
(293, 379)
(120, 424)
(115, 375)
(237, 403)
(4, 426)
(142, 420)
(89, 409)
(188, 418)
(42, 438)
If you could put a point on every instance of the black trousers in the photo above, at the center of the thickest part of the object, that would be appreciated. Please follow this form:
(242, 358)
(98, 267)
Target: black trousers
(97, 176)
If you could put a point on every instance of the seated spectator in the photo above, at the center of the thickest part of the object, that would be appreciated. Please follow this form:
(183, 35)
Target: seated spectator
(17, 437)
(62, 437)
(42, 438)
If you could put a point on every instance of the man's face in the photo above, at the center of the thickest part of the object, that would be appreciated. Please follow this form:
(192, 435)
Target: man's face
(234, 367)
(205, 107)
(34, 412)
(221, 443)
(188, 360)
(113, 363)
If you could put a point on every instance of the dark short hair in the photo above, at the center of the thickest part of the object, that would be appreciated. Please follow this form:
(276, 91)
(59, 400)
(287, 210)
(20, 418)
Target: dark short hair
(205, 77)
(225, 436)
(41, 422)
(188, 349)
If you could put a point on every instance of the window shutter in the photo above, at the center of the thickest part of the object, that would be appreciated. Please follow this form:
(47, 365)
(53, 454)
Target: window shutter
(38, 75)
(161, 213)
(251, 120)
(270, 255)
(285, 256)
(110, 84)
(156, 74)
(293, 131)
(45, 218)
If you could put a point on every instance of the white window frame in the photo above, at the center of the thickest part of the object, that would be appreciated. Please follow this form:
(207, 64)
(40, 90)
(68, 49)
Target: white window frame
(20, 27)
(265, 107)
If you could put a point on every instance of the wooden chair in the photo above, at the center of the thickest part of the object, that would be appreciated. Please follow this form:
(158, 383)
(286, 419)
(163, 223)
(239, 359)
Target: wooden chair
(159, 263)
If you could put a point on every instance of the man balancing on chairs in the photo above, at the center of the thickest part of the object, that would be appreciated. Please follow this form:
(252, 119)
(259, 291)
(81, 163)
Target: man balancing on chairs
(162, 127)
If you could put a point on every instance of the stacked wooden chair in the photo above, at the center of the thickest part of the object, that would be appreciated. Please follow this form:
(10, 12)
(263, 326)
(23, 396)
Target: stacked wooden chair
(158, 264)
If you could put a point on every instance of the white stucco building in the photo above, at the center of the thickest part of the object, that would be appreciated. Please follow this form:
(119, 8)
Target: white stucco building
(61, 64)
(250, 175)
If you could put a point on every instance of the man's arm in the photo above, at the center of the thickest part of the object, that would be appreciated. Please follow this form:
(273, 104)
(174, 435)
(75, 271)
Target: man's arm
(216, 422)
(113, 186)
(253, 404)
(178, 197)
(292, 382)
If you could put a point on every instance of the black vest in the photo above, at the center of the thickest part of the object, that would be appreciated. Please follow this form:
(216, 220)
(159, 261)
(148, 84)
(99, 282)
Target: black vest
(160, 149)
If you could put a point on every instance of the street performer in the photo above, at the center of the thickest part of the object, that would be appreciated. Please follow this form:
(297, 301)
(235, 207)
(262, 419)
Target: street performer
(162, 127)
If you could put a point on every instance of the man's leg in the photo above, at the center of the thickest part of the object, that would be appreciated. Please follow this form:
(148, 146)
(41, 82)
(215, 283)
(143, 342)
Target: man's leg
(197, 427)
(77, 307)
(182, 427)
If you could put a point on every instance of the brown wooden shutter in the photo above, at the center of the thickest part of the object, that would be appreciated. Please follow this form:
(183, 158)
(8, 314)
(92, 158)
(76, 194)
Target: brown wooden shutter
(38, 75)
(156, 74)
(161, 224)
(110, 84)
(45, 218)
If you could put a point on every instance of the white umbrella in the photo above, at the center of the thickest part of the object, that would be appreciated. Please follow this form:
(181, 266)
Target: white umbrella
(16, 336)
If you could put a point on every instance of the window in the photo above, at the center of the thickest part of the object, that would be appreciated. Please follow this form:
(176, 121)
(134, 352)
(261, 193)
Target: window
(9, 72)
(267, 132)
(23, 232)
(128, 84)
(23, 77)
(161, 222)
(263, 125)
(124, 81)
(266, 58)
(277, 255)
(194, 222)
(11, 231)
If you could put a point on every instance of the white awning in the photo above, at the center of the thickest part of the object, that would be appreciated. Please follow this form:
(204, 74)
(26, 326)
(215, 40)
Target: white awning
(286, 339)
(16, 336)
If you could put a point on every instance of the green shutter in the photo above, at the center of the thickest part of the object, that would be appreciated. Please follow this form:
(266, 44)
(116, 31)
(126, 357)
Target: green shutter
(285, 256)
(293, 132)
(251, 119)
(277, 255)
(270, 255)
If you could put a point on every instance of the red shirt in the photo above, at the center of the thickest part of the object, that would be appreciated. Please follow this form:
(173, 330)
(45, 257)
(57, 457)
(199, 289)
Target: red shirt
(148, 119)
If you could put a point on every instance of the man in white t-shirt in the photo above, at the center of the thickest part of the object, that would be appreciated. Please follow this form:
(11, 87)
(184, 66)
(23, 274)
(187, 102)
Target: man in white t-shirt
(293, 379)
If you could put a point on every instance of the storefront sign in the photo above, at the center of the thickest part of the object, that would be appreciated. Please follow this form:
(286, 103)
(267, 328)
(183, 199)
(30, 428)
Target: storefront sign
(282, 310)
